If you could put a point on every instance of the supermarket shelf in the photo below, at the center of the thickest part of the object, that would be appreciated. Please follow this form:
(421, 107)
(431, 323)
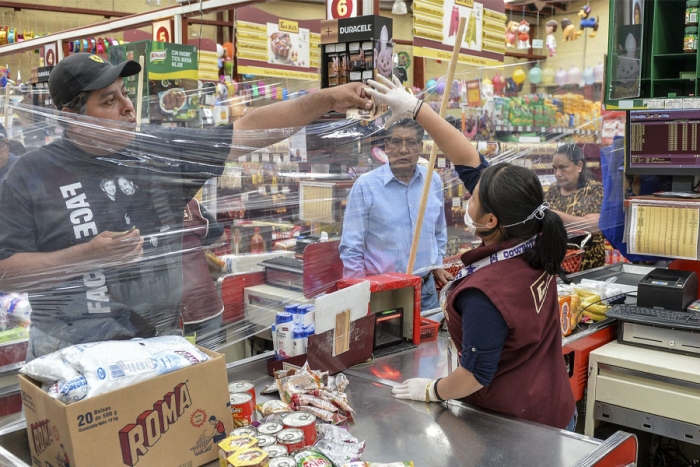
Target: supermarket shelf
(525, 128)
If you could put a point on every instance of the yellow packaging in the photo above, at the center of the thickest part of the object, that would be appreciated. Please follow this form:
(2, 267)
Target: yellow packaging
(232, 445)
(254, 457)
(569, 306)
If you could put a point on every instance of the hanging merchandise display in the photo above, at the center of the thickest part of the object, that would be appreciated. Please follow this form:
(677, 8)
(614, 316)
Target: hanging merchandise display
(435, 27)
(574, 75)
(588, 76)
(587, 22)
(523, 35)
(353, 49)
(170, 79)
(599, 72)
(519, 76)
(551, 40)
(268, 45)
(499, 84)
(561, 78)
(568, 30)
(548, 76)
(535, 74)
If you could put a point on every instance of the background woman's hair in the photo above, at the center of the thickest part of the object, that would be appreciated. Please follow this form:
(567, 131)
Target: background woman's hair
(575, 155)
(512, 194)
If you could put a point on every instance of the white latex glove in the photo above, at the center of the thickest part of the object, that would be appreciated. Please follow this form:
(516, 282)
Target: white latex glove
(417, 389)
(402, 103)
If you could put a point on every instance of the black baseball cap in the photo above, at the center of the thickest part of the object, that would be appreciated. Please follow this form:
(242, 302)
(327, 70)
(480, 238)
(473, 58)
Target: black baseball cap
(85, 72)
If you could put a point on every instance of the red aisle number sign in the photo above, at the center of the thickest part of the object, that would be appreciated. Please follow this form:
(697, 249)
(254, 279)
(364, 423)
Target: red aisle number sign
(336, 9)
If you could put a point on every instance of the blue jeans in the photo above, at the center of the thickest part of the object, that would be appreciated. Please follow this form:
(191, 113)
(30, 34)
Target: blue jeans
(428, 295)
(572, 424)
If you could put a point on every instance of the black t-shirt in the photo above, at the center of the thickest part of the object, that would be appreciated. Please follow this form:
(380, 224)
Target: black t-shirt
(59, 196)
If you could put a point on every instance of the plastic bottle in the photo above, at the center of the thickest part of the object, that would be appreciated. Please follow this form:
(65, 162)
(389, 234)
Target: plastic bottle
(257, 244)
(305, 316)
(292, 309)
(324, 237)
(300, 339)
(284, 327)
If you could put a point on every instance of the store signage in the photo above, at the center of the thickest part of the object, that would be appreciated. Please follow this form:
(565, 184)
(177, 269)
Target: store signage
(158, 56)
(50, 54)
(336, 9)
(467, 3)
(163, 31)
(352, 29)
(288, 26)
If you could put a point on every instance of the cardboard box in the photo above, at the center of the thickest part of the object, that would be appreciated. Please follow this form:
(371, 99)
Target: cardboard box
(161, 422)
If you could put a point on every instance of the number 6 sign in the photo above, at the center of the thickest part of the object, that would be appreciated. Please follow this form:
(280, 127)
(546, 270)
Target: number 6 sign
(336, 9)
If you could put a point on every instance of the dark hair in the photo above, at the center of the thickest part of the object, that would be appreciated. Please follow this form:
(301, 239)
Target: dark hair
(16, 147)
(512, 194)
(409, 124)
(78, 104)
(575, 155)
(552, 24)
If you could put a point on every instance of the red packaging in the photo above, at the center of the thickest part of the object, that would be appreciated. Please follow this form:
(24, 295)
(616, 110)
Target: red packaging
(304, 421)
(242, 386)
(242, 409)
(291, 438)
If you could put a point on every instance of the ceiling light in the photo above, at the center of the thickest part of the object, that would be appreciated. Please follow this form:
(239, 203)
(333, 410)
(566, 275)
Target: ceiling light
(399, 7)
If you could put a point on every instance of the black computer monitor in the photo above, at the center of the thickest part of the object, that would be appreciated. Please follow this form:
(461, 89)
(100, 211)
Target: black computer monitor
(664, 142)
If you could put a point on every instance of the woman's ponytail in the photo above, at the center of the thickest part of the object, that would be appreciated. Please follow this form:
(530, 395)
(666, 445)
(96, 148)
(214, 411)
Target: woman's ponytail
(550, 247)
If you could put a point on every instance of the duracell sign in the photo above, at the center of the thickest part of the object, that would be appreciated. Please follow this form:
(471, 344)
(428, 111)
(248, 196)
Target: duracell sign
(360, 28)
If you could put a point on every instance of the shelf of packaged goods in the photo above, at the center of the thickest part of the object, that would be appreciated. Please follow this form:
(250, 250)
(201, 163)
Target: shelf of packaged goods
(541, 129)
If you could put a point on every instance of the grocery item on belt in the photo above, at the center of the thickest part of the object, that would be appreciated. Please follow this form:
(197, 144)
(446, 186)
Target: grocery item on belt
(310, 456)
(274, 406)
(339, 399)
(253, 457)
(265, 440)
(282, 461)
(242, 409)
(244, 431)
(338, 444)
(233, 444)
(325, 415)
(275, 450)
(303, 399)
(86, 370)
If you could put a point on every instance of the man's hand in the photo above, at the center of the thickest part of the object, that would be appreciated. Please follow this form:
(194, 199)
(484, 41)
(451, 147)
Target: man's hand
(121, 250)
(401, 102)
(442, 276)
(417, 389)
(349, 96)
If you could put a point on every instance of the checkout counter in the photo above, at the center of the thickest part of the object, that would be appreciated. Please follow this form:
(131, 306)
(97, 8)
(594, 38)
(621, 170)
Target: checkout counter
(428, 434)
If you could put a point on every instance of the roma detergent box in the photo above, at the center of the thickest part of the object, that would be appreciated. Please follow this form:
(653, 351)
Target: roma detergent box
(171, 420)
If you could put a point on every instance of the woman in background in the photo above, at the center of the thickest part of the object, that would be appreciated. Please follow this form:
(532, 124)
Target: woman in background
(577, 198)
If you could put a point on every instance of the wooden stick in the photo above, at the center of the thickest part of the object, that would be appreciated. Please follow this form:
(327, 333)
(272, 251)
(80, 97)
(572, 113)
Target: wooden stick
(139, 95)
(7, 107)
(433, 153)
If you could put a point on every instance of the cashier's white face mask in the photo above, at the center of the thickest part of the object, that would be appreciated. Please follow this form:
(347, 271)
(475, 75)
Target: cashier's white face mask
(469, 222)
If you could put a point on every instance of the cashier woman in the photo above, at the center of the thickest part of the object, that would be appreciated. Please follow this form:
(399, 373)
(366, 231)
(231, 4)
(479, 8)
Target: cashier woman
(502, 309)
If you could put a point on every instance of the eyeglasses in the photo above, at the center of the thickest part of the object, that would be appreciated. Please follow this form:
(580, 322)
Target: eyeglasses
(411, 144)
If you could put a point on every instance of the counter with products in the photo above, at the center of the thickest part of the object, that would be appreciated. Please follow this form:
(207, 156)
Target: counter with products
(432, 434)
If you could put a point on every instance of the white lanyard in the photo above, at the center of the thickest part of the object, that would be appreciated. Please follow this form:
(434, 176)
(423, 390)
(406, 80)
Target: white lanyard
(470, 269)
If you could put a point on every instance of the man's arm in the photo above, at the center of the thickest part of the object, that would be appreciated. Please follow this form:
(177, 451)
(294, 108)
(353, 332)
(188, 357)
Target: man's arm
(291, 114)
(352, 241)
(29, 272)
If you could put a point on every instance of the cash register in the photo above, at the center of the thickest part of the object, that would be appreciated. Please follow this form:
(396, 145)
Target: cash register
(661, 320)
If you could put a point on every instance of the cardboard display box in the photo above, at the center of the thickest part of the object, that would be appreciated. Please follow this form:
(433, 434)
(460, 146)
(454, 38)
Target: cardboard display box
(165, 421)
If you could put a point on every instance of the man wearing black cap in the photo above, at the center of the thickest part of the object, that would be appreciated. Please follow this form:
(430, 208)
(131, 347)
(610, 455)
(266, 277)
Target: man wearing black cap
(98, 268)
(7, 159)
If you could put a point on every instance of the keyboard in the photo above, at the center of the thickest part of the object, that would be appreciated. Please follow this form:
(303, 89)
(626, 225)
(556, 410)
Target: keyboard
(656, 317)
(287, 262)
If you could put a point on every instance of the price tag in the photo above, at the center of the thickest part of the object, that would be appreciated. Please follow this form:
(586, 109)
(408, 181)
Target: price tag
(285, 190)
(261, 190)
(456, 202)
(537, 43)
(255, 157)
(276, 159)
(441, 162)
(464, 204)
(273, 189)
(266, 157)
(244, 197)
(242, 158)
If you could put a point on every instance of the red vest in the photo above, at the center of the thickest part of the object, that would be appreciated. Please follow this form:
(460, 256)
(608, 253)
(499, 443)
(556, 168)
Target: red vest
(200, 299)
(531, 381)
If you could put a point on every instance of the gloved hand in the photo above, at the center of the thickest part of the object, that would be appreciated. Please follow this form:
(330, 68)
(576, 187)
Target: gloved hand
(417, 389)
(401, 102)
